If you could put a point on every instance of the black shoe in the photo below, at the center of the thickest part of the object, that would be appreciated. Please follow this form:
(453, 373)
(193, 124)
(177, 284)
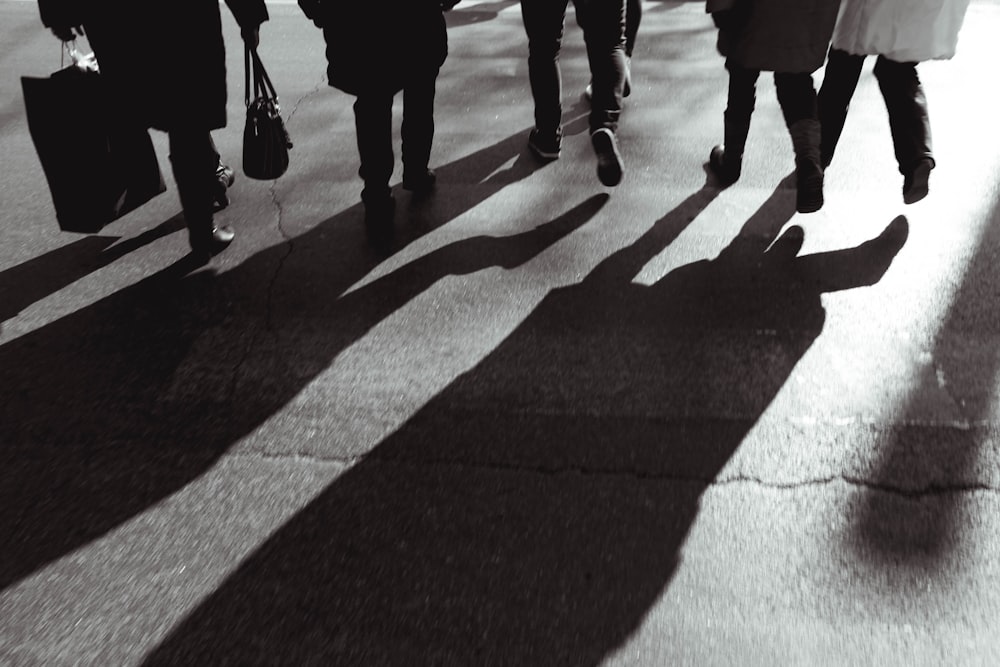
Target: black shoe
(547, 146)
(610, 167)
(421, 183)
(916, 183)
(727, 170)
(214, 242)
(224, 179)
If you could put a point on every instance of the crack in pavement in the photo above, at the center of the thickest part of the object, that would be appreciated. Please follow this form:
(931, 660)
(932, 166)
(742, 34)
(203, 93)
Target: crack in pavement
(930, 490)
(289, 243)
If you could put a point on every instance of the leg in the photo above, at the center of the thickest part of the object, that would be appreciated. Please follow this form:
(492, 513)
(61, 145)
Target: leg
(909, 123)
(373, 122)
(418, 130)
(603, 24)
(224, 178)
(194, 160)
(633, 16)
(544, 21)
(840, 80)
(797, 98)
(604, 32)
(726, 160)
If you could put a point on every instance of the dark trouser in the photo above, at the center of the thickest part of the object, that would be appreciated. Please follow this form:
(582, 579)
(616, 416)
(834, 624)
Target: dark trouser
(373, 120)
(603, 23)
(633, 16)
(194, 160)
(904, 99)
(796, 94)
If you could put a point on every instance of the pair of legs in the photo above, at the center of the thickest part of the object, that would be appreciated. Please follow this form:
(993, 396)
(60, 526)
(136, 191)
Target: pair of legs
(195, 162)
(373, 122)
(798, 101)
(905, 102)
(603, 23)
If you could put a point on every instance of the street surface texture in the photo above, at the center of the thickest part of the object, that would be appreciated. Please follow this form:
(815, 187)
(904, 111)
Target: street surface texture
(554, 424)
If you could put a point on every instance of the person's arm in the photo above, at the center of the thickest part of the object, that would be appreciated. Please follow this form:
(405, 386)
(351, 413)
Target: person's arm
(62, 17)
(249, 14)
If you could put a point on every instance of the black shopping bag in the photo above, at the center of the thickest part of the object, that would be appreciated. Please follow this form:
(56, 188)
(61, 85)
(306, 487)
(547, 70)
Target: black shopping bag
(98, 167)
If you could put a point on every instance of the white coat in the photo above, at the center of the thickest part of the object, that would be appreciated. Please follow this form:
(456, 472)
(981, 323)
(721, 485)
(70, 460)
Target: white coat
(901, 30)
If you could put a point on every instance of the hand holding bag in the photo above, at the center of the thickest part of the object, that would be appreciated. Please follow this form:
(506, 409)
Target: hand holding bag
(98, 166)
(265, 140)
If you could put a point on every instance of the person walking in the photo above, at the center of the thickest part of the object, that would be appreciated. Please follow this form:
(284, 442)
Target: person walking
(603, 23)
(789, 38)
(411, 40)
(180, 91)
(900, 37)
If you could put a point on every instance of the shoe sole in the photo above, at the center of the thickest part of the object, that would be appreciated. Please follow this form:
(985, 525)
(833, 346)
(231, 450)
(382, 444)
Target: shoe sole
(544, 155)
(920, 186)
(610, 167)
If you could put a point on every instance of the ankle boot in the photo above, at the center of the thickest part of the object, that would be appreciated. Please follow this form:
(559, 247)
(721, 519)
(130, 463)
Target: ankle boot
(726, 159)
(808, 167)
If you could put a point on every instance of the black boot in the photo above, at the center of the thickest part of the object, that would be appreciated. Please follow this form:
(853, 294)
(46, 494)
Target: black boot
(726, 159)
(808, 168)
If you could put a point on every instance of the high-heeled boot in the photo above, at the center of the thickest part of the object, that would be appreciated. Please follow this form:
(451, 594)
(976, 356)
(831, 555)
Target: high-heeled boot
(808, 167)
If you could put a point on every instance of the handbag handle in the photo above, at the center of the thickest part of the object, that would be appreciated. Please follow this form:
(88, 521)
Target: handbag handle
(262, 86)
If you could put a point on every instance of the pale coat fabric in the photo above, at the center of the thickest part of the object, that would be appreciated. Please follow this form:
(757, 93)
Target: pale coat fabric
(901, 30)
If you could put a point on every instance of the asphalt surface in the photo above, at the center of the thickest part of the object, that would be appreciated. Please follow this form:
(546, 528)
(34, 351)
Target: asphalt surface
(554, 424)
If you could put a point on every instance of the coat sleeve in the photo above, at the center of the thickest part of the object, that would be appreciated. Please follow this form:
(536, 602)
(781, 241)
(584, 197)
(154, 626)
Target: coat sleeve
(248, 13)
(59, 13)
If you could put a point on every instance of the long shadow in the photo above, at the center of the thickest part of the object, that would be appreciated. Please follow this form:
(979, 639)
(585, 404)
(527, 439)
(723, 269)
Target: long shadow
(535, 510)
(39, 277)
(909, 518)
(109, 410)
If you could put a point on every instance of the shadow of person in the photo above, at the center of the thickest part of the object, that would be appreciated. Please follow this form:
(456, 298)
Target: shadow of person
(39, 277)
(109, 410)
(535, 510)
(913, 521)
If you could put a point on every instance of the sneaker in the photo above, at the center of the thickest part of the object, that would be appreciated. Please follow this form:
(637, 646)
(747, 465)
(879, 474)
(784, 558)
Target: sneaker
(224, 179)
(610, 167)
(421, 183)
(915, 183)
(545, 146)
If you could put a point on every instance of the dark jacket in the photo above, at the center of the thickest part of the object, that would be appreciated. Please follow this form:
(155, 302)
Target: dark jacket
(376, 46)
(163, 60)
(775, 35)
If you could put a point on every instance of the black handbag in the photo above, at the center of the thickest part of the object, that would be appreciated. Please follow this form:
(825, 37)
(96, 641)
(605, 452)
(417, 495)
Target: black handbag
(265, 140)
(98, 166)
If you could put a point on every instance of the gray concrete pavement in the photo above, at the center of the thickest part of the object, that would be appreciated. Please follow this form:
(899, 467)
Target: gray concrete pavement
(559, 424)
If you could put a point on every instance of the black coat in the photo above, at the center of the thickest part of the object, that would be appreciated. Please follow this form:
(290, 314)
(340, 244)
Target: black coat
(775, 35)
(164, 60)
(376, 46)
